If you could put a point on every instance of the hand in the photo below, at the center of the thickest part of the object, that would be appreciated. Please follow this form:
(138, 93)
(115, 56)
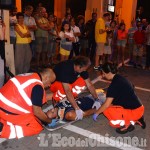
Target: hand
(53, 123)
(96, 105)
(79, 114)
(95, 117)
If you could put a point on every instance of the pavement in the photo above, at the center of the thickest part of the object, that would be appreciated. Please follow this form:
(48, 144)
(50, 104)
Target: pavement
(87, 134)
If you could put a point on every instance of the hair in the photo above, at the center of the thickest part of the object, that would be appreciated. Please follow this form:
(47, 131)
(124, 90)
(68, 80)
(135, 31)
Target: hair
(113, 21)
(46, 71)
(28, 8)
(62, 27)
(82, 61)
(19, 14)
(109, 67)
(106, 14)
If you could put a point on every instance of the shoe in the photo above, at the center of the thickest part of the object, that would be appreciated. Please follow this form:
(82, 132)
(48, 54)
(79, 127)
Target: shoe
(96, 68)
(100, 67)
(1, 126)
(125, 129)
(141, 122)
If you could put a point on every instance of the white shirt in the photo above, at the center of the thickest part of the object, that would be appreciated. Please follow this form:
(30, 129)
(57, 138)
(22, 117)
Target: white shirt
(28, 20)
(75, 29)
(12, 19)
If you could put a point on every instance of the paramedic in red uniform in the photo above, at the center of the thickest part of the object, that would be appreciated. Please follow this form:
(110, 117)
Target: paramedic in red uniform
(71, 78)
(21, 99)
(122, 107)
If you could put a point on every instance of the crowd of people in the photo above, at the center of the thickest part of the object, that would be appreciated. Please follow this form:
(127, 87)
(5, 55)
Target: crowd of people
(102, 39)
(36, 35)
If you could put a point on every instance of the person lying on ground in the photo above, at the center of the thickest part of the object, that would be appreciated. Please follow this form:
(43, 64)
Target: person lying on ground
(65, 111)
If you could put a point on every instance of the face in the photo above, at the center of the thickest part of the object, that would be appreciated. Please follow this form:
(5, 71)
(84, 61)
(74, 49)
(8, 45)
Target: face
(29, 12)
(80, 69)
(94, 16)
(42, 12)
(66, 27)
(122, 27)
(52, 113)
(20, 19)
(48, 80)
(72, 22)
(105, 75)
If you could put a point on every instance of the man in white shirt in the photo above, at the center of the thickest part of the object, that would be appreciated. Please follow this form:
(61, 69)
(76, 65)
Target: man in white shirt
(29, 21)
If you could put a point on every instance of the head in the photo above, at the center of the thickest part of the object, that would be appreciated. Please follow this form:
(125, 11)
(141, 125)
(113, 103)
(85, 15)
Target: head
(81, 19)
(107, 16)
(109, 70)
(94, 16)
(13, 11)
(68, 16)
(66, 26)
(41, 11)
(28, 10)
(81, 63)
(72, 22)
(113, 24)
(51, 17)
(52, 113)
(122, 26)
(20, 17)
(48, 76)
(139, 25)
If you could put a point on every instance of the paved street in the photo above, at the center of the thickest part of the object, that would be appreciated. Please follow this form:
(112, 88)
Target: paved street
(87, 134)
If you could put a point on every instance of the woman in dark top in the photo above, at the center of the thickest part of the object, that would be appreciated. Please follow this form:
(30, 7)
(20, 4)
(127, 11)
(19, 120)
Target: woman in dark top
(122, 106)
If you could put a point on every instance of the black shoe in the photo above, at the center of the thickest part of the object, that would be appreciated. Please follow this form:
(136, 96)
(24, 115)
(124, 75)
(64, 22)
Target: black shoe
(125, 129)
(141, 122)
(1, 126)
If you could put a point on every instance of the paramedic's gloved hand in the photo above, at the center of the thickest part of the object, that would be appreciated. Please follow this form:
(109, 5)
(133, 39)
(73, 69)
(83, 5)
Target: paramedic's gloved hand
(95, 117)
(79, 114)
(53, 123)
(97, 104)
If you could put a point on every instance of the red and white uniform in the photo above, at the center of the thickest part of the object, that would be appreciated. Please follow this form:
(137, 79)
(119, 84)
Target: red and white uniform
(15, 97)
(58, 90)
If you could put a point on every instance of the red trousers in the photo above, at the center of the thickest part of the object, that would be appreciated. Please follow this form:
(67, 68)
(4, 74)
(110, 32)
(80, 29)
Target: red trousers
(118, 116)
(17, 126)
(58, 90)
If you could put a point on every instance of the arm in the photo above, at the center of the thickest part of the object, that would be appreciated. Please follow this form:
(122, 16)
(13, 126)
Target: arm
(70, 38)
(32, 27)
(23, 35)
(37, 111)
(106, 104)
(91, 88)
(70, 96)
(43, 26)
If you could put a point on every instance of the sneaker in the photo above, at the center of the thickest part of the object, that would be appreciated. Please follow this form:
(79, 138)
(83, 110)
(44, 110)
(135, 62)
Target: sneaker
(141, 122)
(125, 129)
(96, 68)
(1, 126)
